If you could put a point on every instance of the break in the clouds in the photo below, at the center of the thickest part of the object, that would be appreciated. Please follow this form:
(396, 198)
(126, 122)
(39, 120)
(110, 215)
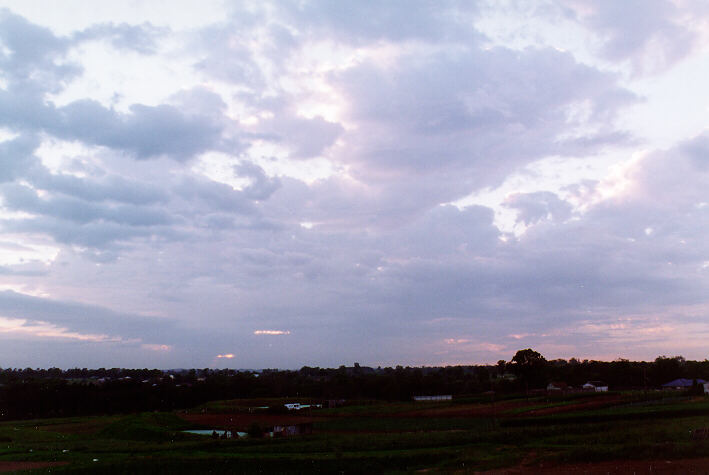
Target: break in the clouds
(314, 183)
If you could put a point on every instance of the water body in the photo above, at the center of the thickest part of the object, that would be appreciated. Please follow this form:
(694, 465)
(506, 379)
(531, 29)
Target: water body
(219, 432)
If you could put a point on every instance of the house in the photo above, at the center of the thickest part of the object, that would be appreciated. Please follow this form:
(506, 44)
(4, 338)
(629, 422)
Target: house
(682, 383)
(557, 386)
(444, 397)
(597, 386)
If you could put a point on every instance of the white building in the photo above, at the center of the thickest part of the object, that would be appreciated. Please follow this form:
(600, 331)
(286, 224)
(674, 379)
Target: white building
(597, 386)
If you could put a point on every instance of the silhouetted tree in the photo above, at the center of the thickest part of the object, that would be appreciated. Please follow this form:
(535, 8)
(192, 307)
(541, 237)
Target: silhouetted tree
(529, 366)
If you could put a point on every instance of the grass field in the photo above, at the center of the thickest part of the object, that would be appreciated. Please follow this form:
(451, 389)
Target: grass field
(467, 435)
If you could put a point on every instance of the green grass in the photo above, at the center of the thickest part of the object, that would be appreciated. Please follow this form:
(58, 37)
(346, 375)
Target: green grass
(400, 424)
(372, 438)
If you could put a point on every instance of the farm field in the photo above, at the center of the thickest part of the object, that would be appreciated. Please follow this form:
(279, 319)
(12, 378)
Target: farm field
(587, 433)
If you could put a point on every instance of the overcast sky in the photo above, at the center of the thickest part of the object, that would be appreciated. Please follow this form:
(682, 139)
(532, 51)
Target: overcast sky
(255, 184)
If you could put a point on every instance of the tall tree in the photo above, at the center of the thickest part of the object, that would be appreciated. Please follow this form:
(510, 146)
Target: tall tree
(528, 365)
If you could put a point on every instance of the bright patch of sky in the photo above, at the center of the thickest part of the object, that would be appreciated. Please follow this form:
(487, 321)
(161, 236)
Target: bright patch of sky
(130, 77)
(75, 15)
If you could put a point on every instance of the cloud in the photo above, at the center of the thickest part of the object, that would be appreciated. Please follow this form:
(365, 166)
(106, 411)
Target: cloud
(651, 41)
(355, 22)
(72, 320)
(46, 330)
(32, 54)
(144, 133)
(156, 347)
(271, 332)
(471, 118)
(533, 207)
(16, 157)
(140, 38)
(261, 186)
(306, 138)
(106, 188)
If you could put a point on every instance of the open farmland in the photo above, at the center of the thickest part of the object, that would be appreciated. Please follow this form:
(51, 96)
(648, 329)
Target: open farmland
(616, 433)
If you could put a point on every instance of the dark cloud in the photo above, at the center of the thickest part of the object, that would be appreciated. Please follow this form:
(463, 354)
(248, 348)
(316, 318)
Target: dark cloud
(23, 198)
(98, 235)
(33, 54)
(16, 157)
(83, 318)
(215, 196)
(108, 188)
(145, 132)
(261, 186)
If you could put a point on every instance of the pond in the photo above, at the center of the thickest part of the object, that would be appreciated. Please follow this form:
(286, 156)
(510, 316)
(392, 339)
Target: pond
(220, 432)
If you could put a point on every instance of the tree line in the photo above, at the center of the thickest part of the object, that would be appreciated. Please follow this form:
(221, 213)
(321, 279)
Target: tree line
(34, 393)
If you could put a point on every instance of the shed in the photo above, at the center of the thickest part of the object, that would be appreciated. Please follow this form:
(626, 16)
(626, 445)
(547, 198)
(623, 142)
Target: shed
(597, 386)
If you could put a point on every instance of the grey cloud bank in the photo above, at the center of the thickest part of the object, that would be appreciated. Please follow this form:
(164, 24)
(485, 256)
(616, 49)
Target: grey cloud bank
(316, 170)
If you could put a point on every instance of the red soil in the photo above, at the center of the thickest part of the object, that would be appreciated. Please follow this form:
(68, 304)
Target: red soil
(12, 466)
(596, 403)
(503, 408)
(617, 467)
(473, 410)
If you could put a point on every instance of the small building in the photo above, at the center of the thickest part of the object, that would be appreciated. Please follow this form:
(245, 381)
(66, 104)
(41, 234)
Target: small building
(444, 397)
(557, 386)
(596, 386)
(682, 383)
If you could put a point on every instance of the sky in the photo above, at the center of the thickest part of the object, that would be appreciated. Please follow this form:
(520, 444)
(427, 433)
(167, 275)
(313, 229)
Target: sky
(279, 184)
